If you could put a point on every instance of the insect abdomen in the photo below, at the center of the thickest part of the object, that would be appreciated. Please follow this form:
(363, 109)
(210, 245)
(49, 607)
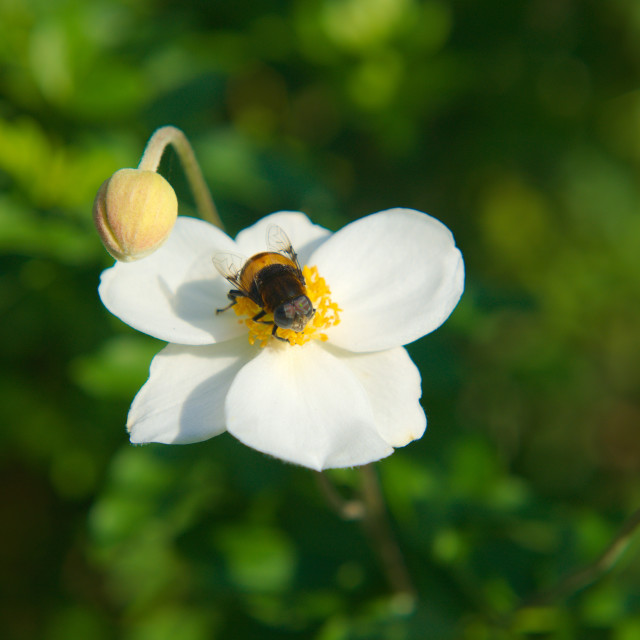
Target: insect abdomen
(259, 262)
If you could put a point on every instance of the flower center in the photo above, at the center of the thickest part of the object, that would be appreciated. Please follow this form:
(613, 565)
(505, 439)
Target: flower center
(327, 314)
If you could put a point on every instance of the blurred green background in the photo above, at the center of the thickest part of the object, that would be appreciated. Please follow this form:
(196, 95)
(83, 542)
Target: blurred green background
(515, 123)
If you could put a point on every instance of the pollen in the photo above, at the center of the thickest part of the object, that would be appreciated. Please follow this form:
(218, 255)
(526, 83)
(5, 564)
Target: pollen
(327, 314)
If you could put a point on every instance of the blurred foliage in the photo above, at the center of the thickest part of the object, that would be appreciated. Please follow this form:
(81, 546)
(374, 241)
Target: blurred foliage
(518, 125)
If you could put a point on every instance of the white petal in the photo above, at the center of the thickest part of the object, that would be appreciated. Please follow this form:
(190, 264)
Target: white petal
(305, 406)
(392, 382)
(304, 235)
(173, 294)
(396, 274)
(183, 399)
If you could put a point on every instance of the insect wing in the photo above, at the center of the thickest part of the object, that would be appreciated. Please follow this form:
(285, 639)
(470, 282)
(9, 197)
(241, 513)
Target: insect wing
(229, 266)
(278, 240)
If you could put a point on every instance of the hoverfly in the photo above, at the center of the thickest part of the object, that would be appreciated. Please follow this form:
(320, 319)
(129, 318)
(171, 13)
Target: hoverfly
(273, 280)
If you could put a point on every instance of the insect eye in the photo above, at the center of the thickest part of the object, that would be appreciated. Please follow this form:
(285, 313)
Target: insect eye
(303, 306)
(284, 314)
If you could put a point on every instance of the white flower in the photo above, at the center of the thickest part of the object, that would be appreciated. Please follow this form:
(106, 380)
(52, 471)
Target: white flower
(344, 400)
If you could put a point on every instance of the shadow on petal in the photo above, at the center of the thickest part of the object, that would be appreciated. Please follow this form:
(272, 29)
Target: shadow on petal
(197, 301)
(202, 415)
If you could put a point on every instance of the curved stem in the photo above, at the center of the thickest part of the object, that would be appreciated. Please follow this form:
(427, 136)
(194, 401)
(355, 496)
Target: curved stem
(376, 523)
(175, 137)
(371, 511)
(346, 509)
(584, 576)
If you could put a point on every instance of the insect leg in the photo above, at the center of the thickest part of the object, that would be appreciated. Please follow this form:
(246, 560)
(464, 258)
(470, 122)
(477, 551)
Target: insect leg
(259, 315)
(232, 295)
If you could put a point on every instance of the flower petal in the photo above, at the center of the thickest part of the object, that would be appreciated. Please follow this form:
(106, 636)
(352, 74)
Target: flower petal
(173, 293)
(305, 406)
(392, 382)
(397, 275)
(304, 235)
(183, 399)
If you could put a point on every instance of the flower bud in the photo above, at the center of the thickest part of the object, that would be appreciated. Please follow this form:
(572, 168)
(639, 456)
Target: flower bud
(134, 212)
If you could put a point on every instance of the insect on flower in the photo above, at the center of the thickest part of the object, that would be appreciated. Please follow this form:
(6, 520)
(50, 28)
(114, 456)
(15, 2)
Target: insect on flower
(351, 394)
(273, 280)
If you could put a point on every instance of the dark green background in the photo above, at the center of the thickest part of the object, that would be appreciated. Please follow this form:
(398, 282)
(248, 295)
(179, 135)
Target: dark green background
(515, 123)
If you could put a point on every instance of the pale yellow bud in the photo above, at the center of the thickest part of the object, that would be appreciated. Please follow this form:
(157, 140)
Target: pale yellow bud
(134, 212)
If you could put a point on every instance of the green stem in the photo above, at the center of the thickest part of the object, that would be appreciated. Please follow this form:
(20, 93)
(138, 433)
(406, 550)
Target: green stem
(175, 137)
(371, 511)
(376, 523)
(584, 576)
(346, 509)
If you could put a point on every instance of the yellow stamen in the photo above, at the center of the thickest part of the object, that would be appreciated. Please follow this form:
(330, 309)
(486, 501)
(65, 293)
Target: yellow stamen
(327, 314)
